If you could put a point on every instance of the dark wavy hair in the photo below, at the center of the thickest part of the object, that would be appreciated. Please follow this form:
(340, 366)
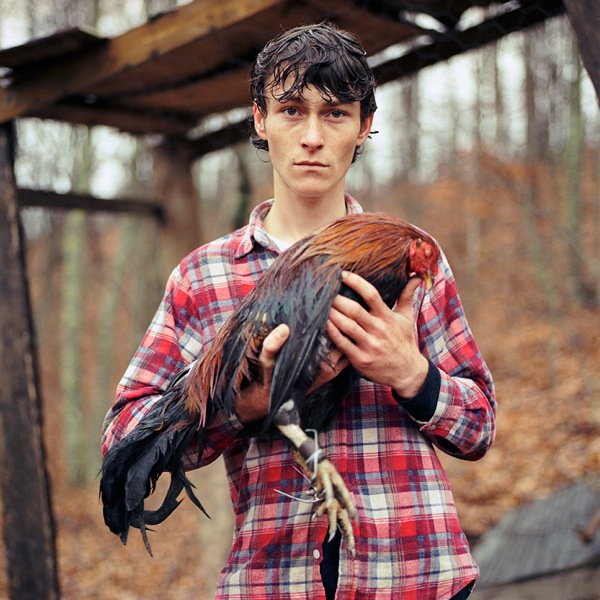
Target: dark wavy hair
(321, 55)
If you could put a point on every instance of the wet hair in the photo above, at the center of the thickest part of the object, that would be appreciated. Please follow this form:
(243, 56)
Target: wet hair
(330, 59)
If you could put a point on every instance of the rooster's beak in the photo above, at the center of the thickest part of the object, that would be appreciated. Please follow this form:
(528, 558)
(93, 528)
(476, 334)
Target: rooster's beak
(428, 279)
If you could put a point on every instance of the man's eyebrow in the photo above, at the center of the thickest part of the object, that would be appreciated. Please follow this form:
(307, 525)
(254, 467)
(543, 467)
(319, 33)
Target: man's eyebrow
(298, 98)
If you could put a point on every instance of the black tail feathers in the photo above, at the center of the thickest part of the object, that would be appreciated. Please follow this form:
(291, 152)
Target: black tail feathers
(131, 469)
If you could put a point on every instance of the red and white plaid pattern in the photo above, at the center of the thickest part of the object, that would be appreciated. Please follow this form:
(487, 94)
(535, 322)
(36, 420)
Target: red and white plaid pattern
(409, 543)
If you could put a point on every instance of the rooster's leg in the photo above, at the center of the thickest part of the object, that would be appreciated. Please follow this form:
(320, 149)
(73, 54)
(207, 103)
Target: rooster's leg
(336, 513)
(328, 483)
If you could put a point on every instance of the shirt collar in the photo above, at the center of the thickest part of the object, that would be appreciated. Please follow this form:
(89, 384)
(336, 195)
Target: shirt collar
(255, 232)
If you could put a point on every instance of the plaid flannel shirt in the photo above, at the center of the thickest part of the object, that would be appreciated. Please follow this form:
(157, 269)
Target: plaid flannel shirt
(409, 543)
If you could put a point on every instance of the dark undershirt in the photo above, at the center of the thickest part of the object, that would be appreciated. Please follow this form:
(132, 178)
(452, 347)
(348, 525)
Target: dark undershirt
(421, 407)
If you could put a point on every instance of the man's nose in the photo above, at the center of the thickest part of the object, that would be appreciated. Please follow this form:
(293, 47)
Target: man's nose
(312, 136)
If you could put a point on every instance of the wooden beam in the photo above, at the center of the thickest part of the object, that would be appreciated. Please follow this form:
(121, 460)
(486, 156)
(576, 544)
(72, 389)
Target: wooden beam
(28, 198)
(585, 20)
(136, 47)
(130, 121)
(456, 42)
(39, 51)
(221, 138)
(443, 48)
(28, 524)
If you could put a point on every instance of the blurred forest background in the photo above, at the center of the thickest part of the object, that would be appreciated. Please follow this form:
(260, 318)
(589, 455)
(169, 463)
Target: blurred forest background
(495, 153)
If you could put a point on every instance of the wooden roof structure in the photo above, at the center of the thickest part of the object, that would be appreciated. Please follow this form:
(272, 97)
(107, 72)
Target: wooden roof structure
(170, 74)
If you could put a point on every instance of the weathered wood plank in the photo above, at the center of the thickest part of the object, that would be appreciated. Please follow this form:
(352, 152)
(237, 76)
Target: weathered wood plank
(41, 50)
(456, 42)
(446, 46)
(159, 36)
(28, 526)
(206, 96)
(130, 121)
(52, 200)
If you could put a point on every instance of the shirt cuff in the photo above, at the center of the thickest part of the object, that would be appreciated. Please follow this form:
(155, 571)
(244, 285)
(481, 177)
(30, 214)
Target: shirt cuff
(422, 406)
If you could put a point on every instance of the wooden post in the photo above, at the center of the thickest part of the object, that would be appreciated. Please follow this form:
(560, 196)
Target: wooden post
(174, 184)
(585, 19)
(28, 522)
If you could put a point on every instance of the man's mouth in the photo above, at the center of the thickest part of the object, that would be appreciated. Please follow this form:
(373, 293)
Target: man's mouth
(310, 163)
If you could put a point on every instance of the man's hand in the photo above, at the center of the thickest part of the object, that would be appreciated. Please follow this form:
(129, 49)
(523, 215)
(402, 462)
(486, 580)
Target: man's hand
(335, 362)
(379, 342)
(253, 405)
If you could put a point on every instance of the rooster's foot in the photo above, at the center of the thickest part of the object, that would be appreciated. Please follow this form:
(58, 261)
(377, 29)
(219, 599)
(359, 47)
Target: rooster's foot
(334, 497)
(338, 517)
(327, 484)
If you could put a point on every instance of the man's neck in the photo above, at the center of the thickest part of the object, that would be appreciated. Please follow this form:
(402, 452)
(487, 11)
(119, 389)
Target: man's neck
(291, 221)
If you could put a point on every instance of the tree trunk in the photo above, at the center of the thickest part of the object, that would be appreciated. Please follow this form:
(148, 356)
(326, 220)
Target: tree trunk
(245, 190)
(573, 201)
(533, 145)
(72, 362)
(502, 135)
(585, 19)
(174, 185)
(127, 245)
(71, 351)
(28, 522)
(597, 227)
(471, 173)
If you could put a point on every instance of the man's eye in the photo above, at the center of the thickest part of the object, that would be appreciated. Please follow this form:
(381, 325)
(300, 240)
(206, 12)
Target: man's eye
(336, 114)
(290, 110)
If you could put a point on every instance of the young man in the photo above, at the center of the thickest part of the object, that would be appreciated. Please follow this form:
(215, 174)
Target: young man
(423, 381)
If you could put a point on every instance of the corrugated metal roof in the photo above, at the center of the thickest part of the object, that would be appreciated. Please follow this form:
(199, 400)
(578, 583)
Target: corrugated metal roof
(541, 538)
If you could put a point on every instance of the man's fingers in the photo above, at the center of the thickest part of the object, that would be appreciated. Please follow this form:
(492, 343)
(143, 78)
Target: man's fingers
(336, 360)
(342, 330)
(367, 291)
(273, 343)
(271, 346)
(332, 366)
(404, 306)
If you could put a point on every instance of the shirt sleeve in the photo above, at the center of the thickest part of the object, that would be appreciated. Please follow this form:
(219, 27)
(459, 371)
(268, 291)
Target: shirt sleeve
(463, 423)
(170, 343)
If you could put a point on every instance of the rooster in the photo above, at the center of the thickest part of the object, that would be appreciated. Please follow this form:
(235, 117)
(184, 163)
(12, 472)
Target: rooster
(298, 289)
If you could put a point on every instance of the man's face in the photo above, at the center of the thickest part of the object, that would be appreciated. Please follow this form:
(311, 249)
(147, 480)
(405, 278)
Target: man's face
(311, 142)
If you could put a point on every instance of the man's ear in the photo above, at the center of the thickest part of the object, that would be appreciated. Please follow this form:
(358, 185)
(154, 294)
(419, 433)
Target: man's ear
(259, 122)
(365, 129)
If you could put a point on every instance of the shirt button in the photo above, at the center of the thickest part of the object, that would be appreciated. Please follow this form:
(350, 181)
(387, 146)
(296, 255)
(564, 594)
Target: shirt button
(316, 554)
